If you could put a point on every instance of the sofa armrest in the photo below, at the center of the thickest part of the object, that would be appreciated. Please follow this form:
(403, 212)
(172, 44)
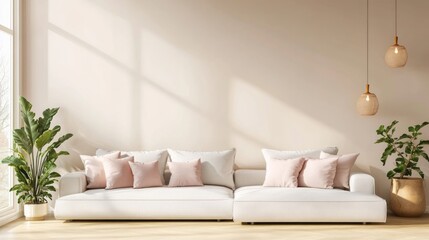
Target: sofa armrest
(72, 183)
(362, 182)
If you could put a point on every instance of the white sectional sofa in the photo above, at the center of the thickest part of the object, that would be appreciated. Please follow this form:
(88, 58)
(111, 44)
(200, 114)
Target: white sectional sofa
(255, 203)
(250, 202)
(206, 202)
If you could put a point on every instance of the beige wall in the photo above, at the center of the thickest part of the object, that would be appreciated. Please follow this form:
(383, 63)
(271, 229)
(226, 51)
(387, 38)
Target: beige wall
(210, 75)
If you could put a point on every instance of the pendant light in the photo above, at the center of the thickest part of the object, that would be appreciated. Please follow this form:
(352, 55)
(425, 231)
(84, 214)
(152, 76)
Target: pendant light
(396, 55)
(367, 104)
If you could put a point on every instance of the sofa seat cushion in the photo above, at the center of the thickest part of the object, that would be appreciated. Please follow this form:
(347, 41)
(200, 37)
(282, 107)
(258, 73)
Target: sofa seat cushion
(301, 194)
(275, 204)
(202, 202)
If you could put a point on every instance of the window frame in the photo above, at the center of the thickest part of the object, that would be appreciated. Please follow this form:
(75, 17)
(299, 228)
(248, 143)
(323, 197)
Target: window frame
(15, 211)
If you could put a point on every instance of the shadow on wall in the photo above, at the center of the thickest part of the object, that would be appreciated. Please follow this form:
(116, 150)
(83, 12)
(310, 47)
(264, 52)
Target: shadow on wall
(383, 183)
(207, 75)
(227, 39)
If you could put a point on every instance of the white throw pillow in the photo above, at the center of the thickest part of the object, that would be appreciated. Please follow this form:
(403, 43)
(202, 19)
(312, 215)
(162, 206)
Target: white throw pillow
(217, 167)
(310, 153)
(144, 157)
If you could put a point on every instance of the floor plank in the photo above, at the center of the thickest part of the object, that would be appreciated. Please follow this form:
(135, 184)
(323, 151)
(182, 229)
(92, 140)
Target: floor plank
(395, 228)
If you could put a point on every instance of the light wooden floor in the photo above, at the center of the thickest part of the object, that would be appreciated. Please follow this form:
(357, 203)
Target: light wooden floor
(395, 228)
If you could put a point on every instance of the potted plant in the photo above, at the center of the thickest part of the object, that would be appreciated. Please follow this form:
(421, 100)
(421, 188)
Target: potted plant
(407, 197)
(33, 159)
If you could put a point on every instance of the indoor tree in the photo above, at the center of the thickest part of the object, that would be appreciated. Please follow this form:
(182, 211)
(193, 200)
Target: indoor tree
(407, 148)
(34, 155)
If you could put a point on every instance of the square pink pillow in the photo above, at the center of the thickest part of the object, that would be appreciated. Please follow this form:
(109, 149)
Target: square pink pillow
(318, 174)
(344, 167)
(94, 169)
(283, 173)
(146, 174)
(118, 172)
(185, 173)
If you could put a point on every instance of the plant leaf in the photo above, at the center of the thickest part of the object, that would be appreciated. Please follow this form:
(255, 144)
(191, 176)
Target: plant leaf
(60, 140)
(425, 156)
(45, 121)
(21, 139)
(404, 136)
(380, 130)
(43, 139)
(399, 169)
(30, 124)
(391, 126)
(390, 174)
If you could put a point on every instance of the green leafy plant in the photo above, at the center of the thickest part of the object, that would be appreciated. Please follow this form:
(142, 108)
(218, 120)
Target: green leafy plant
(35, 154)
(407, 148)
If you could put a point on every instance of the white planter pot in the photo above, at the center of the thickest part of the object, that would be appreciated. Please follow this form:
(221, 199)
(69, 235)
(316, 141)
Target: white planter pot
(35, 212)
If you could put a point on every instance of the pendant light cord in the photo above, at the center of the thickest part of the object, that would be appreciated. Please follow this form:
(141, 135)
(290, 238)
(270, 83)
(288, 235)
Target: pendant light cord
(367, 41)
(396, 18)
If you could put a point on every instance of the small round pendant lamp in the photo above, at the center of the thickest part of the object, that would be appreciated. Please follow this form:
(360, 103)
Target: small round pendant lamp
(396, 55)
(367, 104)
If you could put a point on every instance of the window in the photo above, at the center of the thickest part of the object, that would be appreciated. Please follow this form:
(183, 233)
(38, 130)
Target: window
(8, 78)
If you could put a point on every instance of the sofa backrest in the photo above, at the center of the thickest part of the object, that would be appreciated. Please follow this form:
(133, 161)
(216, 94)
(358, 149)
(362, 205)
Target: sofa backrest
(249, 177)
(242, 177)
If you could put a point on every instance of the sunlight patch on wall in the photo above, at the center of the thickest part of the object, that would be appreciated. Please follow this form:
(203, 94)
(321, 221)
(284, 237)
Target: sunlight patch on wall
(171, 122)
(273, 122)
(198, 84)
(97, 27)
(84, 82)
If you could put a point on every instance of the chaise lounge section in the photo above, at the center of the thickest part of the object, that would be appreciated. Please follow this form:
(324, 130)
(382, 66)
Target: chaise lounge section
(255, 203)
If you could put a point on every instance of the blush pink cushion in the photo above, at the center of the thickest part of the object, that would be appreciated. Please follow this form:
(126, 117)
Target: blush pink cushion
(283, 173)
(146, 174)
(185, 173)
(118, 172)
(344, 167)
(94, 169)
(317, 173)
